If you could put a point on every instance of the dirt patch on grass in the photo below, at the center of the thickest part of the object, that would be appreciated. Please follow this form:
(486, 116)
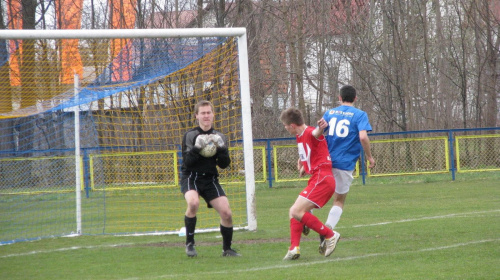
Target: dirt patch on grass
(206, 243)
(214, 243)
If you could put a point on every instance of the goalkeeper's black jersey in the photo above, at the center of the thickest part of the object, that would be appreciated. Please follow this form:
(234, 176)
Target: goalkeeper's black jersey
(192, 161)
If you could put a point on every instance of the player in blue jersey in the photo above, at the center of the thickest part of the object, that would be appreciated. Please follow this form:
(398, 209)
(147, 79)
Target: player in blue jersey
(346, 134)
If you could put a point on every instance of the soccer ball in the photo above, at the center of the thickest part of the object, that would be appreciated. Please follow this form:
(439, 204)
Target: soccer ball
(209, 150)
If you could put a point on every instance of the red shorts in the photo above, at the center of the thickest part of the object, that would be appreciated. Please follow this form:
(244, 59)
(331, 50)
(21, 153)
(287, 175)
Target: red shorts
(320, 187)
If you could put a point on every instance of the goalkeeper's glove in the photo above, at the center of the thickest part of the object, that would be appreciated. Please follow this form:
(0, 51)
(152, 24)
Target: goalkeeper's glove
(200, 142)
(217, 140)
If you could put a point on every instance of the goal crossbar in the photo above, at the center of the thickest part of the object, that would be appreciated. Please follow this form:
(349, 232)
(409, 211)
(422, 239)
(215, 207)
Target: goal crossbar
(27, 34)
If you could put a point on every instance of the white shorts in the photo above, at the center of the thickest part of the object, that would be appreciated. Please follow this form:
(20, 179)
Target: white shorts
(343, 180)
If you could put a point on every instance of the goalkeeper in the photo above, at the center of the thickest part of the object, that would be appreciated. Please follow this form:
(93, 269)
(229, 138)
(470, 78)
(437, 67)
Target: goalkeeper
(199, 177)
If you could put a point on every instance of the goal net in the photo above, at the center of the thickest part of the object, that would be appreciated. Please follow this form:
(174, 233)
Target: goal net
(114, 168)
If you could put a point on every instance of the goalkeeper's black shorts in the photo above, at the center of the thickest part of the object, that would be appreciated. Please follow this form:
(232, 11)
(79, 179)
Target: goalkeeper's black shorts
(207, 185)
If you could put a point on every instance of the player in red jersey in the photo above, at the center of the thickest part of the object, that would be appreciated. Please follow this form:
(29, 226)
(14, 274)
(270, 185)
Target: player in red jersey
(315, 160)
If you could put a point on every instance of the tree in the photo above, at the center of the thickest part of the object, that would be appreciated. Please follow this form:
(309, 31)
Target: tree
(417, 64)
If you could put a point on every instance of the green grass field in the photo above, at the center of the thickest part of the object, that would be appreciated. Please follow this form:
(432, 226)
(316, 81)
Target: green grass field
(419, 227)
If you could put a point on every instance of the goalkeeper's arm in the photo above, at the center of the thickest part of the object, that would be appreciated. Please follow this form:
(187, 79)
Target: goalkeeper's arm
(190, 153)
(223, 159)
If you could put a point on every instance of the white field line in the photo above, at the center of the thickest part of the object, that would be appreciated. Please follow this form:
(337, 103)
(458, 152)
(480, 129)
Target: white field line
(131, 244)
(67, 249)
(288, 264)
(429, 218)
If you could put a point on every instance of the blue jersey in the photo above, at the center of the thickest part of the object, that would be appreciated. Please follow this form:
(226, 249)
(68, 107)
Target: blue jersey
(344, 125)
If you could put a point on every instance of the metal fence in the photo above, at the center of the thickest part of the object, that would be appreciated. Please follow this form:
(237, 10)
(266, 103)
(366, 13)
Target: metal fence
(402, 153)
(451, 151)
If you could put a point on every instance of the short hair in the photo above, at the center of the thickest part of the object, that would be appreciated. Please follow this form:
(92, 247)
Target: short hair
(292, 115)
(203, 103)
(347, 93)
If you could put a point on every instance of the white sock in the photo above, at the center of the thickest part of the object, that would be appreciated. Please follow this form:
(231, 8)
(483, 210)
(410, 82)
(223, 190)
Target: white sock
(334, 216)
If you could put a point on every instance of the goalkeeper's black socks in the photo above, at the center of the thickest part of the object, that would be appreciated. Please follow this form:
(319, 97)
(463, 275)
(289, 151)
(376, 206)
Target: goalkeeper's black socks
(190, 224)
(227, 237)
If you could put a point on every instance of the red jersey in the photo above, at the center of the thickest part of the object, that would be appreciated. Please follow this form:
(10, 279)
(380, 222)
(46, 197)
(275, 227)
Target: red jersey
(313, 152)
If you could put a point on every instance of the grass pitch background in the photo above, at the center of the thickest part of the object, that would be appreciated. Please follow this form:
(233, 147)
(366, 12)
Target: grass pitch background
(416, 227)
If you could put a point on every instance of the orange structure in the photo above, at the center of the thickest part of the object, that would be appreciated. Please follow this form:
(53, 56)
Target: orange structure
(123, 17)
(14, 14)
(69, 15)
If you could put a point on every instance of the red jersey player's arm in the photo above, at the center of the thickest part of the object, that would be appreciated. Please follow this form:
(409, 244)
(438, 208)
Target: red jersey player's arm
(317, 132)
(300, 168)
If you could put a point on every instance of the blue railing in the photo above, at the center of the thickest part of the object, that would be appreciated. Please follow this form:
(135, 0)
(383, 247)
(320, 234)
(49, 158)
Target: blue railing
(363, 167)
(269, 151)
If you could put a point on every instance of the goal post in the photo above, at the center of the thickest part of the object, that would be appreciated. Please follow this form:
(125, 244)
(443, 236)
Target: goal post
(135, 96)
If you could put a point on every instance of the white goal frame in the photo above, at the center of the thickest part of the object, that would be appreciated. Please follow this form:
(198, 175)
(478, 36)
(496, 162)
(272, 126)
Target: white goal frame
(239, 33)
